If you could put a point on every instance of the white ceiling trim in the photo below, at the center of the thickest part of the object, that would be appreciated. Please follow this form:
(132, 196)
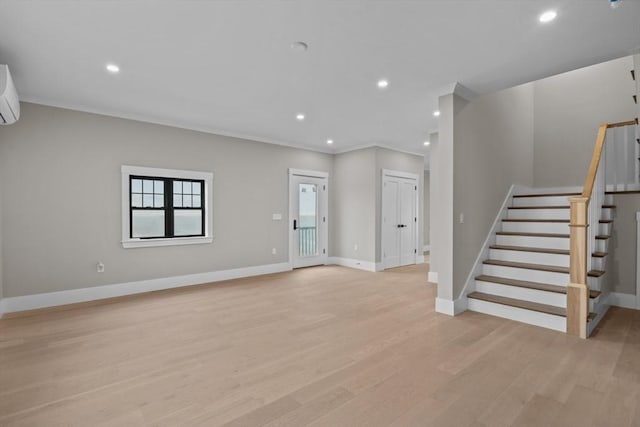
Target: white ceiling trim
(144, 119)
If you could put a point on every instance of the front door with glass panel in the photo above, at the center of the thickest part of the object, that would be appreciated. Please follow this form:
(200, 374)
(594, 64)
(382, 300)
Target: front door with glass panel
(309, 220)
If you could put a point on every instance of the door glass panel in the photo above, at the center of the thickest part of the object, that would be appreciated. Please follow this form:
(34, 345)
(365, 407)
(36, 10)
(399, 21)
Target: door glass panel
(308, 211)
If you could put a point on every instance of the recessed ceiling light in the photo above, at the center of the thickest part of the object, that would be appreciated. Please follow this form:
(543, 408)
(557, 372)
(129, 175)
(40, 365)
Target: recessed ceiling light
(383, 83)
(299, 117)
(548, 16)
(426, 143)
(113, 68)
(329, 141)
(436, 113)
(299, 46)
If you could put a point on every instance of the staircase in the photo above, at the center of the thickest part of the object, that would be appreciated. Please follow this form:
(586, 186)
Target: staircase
(526, 274)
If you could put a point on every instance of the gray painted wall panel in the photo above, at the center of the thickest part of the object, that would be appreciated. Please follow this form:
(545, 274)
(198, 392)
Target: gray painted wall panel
(60, 186)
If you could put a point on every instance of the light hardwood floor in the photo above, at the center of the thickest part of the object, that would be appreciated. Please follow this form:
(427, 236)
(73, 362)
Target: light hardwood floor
(326, 346)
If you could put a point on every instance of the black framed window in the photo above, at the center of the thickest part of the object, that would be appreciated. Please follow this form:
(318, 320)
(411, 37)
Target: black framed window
(163, 207)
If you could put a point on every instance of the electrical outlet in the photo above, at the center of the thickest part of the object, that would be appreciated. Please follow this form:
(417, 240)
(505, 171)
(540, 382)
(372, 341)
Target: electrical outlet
(274, 251)
(100, 267)
(355, 247)
(461, 218)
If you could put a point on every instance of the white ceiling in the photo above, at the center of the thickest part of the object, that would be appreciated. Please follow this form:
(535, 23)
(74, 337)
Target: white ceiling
(227, 66)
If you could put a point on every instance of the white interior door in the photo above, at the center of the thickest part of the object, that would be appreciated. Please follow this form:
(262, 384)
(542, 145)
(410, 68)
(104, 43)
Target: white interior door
(309, 220)
(399, 221)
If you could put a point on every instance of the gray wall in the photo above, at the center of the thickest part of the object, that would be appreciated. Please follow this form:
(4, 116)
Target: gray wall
(622, 249)
(441, 259)
(60, 186)
(395, 160)
(425, 207)
(357, 197)
(568, 110)
(353, 207)
(493, 149)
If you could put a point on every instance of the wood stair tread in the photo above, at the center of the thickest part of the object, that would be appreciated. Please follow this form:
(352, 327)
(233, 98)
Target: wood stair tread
(566, 221)
(526, 305)
(606, 221)
(540, 267)
(518, 233)
(527, 266)
(609, 206)
(530, 249)
(531, 285)
(599, 254)
(545, 195)
(539, 207)
(602, 237)
(523, 284)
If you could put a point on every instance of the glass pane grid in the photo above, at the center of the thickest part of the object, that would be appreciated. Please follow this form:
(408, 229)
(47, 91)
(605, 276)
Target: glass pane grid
(187, 194)
(147, 193)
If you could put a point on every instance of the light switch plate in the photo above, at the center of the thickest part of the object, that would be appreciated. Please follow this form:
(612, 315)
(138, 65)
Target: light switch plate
(277, 217)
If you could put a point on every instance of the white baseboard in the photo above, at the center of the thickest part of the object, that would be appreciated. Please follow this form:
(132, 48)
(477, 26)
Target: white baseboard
(356, 263)
(432, 277)
(1, 307)
(451, 308)
(622, 300)
(426, 248)
(51, 299)
(420, 259)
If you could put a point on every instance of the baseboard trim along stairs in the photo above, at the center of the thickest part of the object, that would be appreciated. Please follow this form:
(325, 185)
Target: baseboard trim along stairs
(524, 273)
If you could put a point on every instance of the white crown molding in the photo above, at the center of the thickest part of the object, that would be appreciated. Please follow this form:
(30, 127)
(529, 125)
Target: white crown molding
(170, 123)
(388, 147)
(199, 128)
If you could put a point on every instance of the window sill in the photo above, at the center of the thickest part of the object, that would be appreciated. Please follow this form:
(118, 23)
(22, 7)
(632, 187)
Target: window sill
(176, 241)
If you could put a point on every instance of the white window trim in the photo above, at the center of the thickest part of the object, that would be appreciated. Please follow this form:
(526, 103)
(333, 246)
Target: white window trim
(207, 177)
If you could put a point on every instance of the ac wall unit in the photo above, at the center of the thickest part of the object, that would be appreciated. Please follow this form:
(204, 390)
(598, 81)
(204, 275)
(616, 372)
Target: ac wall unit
(9, 102)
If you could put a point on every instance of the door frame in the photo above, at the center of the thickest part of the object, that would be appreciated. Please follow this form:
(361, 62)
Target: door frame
(325, 233)
(388, 173)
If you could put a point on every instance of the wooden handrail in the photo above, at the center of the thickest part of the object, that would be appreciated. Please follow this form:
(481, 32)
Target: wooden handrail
(620, 124)
(595, 161)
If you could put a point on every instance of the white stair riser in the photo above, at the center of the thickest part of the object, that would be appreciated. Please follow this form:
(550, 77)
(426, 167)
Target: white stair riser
(525, 294)
(541, 201)
(536, 227)
(605, 229)
(607, 213)
(544, 320)
(608, 199)
(597, 263)
(535, 242)
(538, 214)
(595, 283)
(561, 279)
(602, 245)
(600, 310)
(529, 257)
